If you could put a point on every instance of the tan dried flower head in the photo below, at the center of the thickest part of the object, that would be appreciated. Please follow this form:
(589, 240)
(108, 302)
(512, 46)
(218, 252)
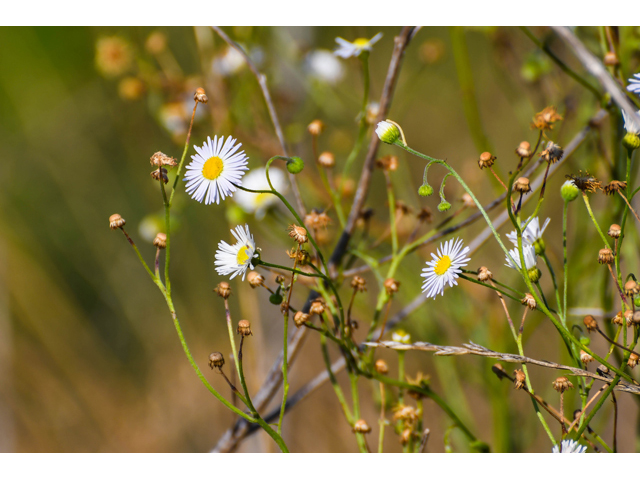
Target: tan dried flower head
(405, 436)
(631, 287)
(160, 173)
(590, 323)
(484, 274)
(200, 95)
(327, 160)
(244, 328)
(300, 318)
(545, 119)
(116, 221)
(486, 160)
(391, 286)
(562, 384)
(585, 357)
(519, 379)
(317, 307)
(223, 289)
(361, 426)
(381, 367)
(628, 317)
(529, 301)
(522, 185)
(615, 186)
(524, 149)
(605, 256)
(255, 279)
(315, 128)
(635, 318)
(619, 319)
(610, 59)
(299, 234)
(633, 360)
(216, 360)
(159, 159)
(160, 241)
(406, 413)
(552, 153)
(359, 284)
(615, 230)
(388, 163)
(586, 182)
(467, 201)
(114, 56)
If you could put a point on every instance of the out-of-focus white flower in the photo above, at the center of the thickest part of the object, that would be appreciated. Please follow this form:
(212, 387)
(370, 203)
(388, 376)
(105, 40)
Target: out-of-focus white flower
(348, 49)
(444, 268)
(324, 66)
(634, 83)
(569, 446)
(235, 259)
(531, 234)
(228, 63)
(631, 125)
(259, 203)
(401, 336)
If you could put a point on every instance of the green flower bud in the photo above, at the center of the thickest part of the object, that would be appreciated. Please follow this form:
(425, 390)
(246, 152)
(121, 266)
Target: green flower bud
(444, 206)
(425, 190)
(586, 341)
(295, 165)
(539, 246)
(631, 141)
(636, 301)
(387, 132)
(534, 274)
(569, 191)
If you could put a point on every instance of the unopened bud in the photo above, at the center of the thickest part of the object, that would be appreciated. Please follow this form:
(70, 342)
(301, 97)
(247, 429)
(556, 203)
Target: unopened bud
(216, 360)
(223, 289)
(300, 318)
(522, 185)
(486, 160)
(381, 367)
(200, 96)
(590, 323)
(116, 221)
(605, 256)
(244, 328)
(160, 241)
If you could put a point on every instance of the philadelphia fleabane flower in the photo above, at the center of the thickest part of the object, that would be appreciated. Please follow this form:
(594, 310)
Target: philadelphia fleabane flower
(530, 260)
(444, 268)
(213, 171)
(235, 259)
(532, 235)
(631, 125)
(570, 446)
(634, 83)
(324, 66)
(259, 203)
(354, 49)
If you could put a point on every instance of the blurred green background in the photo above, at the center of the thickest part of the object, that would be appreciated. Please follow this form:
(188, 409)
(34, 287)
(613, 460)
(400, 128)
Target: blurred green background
(89, 358)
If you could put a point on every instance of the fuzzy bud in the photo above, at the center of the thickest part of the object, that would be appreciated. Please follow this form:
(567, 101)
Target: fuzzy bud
(605, 256)
(295, 165)
(443, 206)
(569, 191)
(160, 241)
(534, 274)
(116, 221)
(524, 149)
(216, 360)
(522, 185)
(425, 190)
(631, 141)
(223, 289)
(615, 230)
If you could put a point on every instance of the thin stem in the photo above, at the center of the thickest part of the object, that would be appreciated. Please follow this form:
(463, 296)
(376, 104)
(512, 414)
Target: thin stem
(593, 219)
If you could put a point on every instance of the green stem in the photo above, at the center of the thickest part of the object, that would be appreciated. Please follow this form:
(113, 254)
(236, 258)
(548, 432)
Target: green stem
(593, 219)
(565, 259)
(364, 57)
(285, 361)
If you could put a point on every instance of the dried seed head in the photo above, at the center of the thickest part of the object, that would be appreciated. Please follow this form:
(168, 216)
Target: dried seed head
(590, 323)
(585, 357)
(615, 186)
(552, 153)
(631, 287)
(160, 173)
(405, 436)
(116, 221)
(159, 159)
(255, 279)
(519, 380)
(315, 128)
(223, 289)
(244, 328)
(605, 256)
(586, 182)
(200, 95)
(484, 274)
(545, 119)
(603, 370)
(381, 367)
(486, 160)
(619, 319)
(406, 413)
(524, 149)
(327, 160)
(391, 286)
(615, 230)
(299, 234)
(425, 215)
(317, 307)
(388, 163)
(467, 201)
(522, 185)
(633, 360)
(160, 241)
(402, 208)
(300, 318)
(361, 426)
(628, 317)
(280, 279)
(562, 384)
(216, 360)
(635, 319)
(611, 59)
(529, 301)
(284, 307)
(499, 370)
(359, 284)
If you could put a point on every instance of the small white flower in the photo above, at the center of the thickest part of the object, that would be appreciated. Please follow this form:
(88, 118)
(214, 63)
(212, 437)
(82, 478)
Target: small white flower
(444, 268)
(634, 83)
(259, 203)
(387, 132)
(631, 125)
(324, 66)
(354, 49)
(570, 446)
(401, 336)
(529, 258)
(235, 259)
(214, 170)
(228, 63)
(531, 234)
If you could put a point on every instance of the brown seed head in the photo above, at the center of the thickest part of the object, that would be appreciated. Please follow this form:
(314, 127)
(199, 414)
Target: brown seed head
(327, 160)
(499, 370)
(611, 59)
(216, 360)
(529, 301)
(359, 284)
(381, 367)
(405, 436)
(519, 379)
(402, 208)
(467, 201)
(255, 279)
(391, 286)
(361, 426)
(486, 160)
(628, 317)
(160, 241)
(590, 323)
(223, 289)
(618, 319)
(425, 215)
(631, 287)
(388, 163)
(633, 360)
(116, 221)
(299, 234)
(159, 159)
(406, 413)
(605, 256)
(524, 149)
(552, 153)
(161, 173)
(615, 230)
(635, 319)
(585, 357)
(200, 96)
(244, 328)
(300, 318)
(317, 307)
(561, 384)
(586, 182)
(615, 186)
(545, 119)
(315, 128)
(522, 185)
(484, 274)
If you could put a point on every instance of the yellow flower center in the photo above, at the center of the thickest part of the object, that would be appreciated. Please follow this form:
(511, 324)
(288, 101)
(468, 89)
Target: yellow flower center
(243, 255)
(212, 168)
(442, 265)
(361, 42)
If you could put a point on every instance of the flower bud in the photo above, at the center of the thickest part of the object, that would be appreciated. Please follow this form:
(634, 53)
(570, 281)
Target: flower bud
(387, 132)
(443, 206)
(300, 318)
(200, 96)
(569, 191)
(223, 289)
(484, 274)
(425, 190)
(486, 160)
(327, 160)
(615, 230)
(216, 360)
(160, 241)
(605, 256)
(381, 367)
(534, 274)
(631, 141)
(295, 165)
(116, 221)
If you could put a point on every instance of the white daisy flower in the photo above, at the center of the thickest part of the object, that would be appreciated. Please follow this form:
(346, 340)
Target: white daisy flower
(513, 259)
(631, 125)
(570, 446)
(235, 259)
(259, 203)
(401, 336)
(444, 268)
(531, 234)
(324, 66)
(214, 170)
(634, 83)
(354, 49)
